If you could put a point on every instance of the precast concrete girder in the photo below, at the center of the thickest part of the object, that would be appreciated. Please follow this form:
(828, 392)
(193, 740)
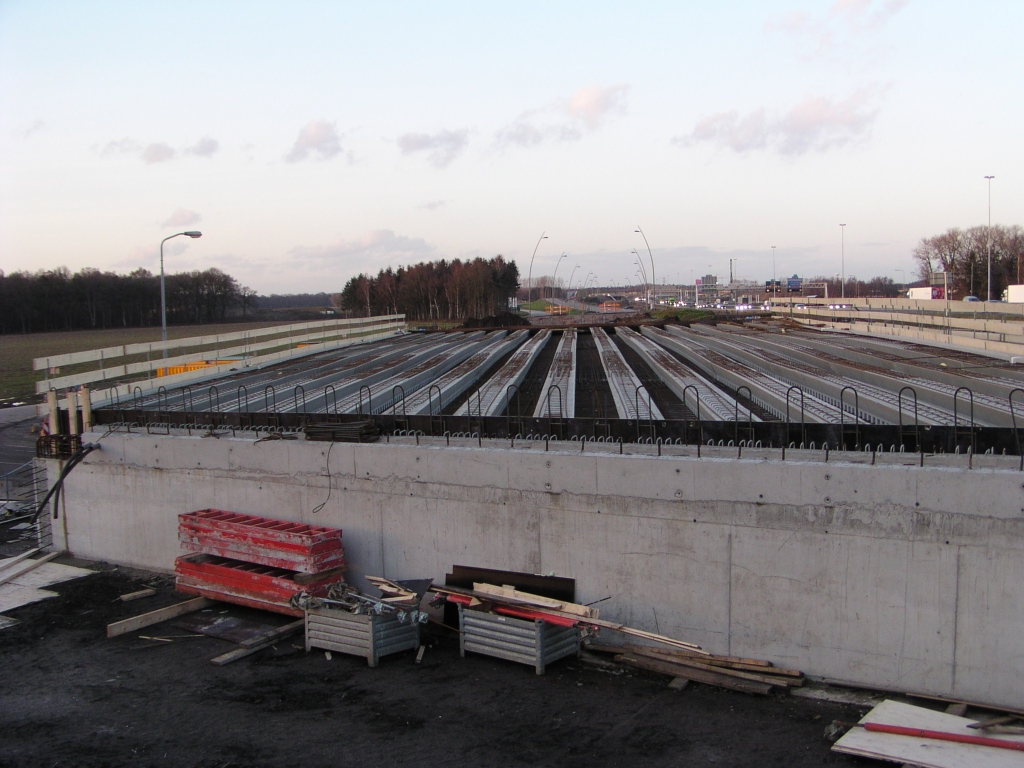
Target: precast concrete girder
(715, 405)
(767, 391)
(623, 382)
(494, 392)
(435, 397)
(560, 385)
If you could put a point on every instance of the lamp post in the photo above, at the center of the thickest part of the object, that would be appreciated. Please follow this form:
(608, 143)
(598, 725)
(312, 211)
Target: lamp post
(554, 281)
(990, 236)
(529, 280)
(163, 294)
(842, 230)
(640, 263)
(571, 275)
(654, 280)
(775, 284)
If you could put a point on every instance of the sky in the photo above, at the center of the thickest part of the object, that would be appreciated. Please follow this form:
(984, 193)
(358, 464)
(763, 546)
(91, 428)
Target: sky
(311, 141)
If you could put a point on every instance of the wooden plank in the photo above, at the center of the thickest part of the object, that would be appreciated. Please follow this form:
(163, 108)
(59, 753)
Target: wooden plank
(155, 617)
(544, 602)
(276, 634)
(761, 668)
(241, 653)
(756, 665)
(693, 663)
(976, 705)
(928, 753)
(697, 675)
(147, 592)
(30, 566)
(15, 560)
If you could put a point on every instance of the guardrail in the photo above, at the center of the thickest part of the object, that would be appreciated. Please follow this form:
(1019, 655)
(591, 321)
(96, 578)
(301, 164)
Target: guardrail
(326, 334)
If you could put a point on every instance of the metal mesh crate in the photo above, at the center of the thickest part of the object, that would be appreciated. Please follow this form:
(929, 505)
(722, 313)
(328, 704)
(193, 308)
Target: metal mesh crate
(360, 634)
(528, 642)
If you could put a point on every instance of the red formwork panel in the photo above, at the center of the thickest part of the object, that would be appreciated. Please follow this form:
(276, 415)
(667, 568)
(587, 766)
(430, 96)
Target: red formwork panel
(262, 540)
(251, 584)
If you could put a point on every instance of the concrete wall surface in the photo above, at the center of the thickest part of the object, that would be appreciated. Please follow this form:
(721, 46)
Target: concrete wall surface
(891, 576)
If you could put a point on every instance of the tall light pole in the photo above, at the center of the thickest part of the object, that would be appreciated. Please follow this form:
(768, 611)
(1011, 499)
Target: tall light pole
(554, 282)
(654, 280)
(990, 236)
(163, 293)
(640, 263)
(571, 276)
(842, 230)
(775, 284)
(529, 280)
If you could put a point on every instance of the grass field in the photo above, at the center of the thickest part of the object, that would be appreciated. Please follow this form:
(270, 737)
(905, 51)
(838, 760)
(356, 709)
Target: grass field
(17, 379)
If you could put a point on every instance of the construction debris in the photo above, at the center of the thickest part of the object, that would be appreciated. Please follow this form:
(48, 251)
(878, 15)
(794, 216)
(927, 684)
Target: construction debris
(257, 561)
(298, 547)
(147, 592)
(155, 617)
(903, 733)
(351, 622)
(24, 580)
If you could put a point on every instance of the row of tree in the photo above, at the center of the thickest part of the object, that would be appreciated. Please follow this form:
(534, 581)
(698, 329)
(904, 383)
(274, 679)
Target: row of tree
(964, 254)
(436, 290)
(57, 300)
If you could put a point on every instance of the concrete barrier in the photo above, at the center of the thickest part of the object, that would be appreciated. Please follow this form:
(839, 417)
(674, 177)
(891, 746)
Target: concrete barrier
(890, 576)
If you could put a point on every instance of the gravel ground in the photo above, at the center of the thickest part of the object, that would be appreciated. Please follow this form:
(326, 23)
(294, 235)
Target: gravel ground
(71, 697)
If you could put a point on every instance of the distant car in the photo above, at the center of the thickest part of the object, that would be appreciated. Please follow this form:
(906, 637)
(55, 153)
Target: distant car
(971, 298)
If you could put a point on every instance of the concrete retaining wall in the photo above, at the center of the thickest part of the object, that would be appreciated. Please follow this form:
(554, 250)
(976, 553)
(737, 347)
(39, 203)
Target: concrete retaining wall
(896, 577)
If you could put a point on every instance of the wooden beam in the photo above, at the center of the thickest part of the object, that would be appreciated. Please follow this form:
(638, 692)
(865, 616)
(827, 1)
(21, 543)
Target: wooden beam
(18, 559)
(31, 566)
(155, 617)
(258, 643)
(696, 675)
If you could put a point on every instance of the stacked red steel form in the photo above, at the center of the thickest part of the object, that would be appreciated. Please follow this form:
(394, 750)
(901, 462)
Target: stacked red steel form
(256, 561)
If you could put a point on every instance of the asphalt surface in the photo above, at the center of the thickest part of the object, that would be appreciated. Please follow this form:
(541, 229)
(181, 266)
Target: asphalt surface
(72, 698)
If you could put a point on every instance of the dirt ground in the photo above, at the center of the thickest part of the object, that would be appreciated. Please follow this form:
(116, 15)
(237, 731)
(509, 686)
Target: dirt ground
(70, 697)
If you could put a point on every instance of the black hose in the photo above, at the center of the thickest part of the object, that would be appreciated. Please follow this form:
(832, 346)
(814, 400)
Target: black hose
(74, 460)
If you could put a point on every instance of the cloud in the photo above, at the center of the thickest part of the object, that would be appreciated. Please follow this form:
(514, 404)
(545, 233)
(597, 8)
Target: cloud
(565, 119)
(35, 127)
(443, 146)
(182, 218)
(121, 147)
(845, 19)
(205, 147)
(815, 124)
(376, 245)
(431, 205)
(157, 153)
(318, 138)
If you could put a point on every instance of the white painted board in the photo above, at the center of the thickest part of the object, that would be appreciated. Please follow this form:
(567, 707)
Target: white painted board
(927, 753)
(15, 595)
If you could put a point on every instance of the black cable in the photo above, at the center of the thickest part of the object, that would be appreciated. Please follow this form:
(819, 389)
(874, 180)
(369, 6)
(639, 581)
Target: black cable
(74, 460)
(329, 484)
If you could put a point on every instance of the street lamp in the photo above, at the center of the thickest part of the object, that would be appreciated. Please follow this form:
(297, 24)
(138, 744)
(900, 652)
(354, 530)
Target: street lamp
(990, 236)
(163, 294)
(654, 280)
(554, 282)
(529, 280)
(842, 230)
(571, 275)
(775, 284)
(640, 263)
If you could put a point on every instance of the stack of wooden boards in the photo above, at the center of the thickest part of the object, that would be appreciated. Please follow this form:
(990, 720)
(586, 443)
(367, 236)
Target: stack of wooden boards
(256, 561)
(732, 672)
(508, 601)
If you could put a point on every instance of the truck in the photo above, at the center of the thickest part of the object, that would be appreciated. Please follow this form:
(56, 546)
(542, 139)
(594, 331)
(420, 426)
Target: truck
(1015, 294)
(927, 292)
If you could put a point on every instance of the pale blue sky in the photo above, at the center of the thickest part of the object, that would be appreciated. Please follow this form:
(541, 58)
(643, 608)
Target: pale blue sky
(311, 141)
